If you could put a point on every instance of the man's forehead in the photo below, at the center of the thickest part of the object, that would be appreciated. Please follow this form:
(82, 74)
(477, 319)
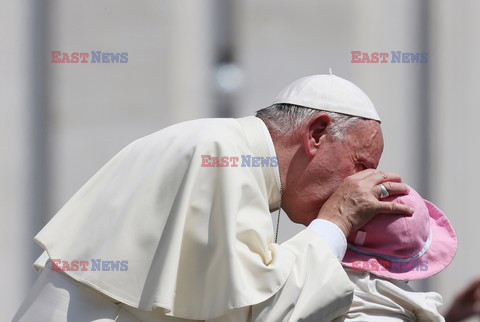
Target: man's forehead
(367, 141)
(368, 131)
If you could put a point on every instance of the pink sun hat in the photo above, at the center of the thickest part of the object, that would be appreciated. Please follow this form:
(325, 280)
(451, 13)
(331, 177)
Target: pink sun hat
(403, 248)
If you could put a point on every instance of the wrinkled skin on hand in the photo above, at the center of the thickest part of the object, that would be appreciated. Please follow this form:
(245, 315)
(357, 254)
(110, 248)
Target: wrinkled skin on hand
(357, 200)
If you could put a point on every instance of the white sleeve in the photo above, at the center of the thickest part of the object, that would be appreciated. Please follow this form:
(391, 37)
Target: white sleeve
(332, 235)
(317, 289)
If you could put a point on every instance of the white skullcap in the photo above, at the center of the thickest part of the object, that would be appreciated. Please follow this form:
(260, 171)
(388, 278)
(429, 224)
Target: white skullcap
(328, 93)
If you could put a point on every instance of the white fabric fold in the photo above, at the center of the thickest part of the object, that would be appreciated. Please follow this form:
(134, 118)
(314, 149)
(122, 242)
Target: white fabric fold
(377, 299)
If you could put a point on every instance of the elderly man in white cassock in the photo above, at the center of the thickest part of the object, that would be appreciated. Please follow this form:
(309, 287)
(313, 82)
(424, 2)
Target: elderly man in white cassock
(186, 213)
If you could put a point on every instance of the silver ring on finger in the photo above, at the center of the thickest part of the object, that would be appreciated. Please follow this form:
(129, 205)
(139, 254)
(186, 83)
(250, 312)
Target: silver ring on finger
(383, 191)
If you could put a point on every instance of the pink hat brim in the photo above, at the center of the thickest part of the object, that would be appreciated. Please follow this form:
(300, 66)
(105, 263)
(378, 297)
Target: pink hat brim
(438, 256)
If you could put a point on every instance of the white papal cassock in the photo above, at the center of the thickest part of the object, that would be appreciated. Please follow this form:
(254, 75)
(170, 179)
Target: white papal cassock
(199, 241)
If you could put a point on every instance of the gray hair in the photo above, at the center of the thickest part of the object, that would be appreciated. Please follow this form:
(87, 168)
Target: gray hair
(288, 118)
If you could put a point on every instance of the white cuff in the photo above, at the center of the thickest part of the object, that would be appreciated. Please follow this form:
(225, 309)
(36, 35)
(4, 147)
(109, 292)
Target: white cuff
(332, 235)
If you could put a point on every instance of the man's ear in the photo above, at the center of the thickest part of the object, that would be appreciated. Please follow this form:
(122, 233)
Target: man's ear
(314, 131)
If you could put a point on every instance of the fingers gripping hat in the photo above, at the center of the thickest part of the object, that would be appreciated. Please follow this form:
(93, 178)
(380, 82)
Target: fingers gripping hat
(403, 248)
(328, 93)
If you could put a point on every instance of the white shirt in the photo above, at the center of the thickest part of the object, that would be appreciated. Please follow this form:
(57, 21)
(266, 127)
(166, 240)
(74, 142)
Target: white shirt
(382, 300)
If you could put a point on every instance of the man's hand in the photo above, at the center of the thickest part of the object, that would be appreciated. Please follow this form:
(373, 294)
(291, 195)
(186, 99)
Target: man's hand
(357, 200)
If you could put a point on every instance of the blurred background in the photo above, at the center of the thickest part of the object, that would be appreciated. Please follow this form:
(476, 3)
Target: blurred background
(60, 122)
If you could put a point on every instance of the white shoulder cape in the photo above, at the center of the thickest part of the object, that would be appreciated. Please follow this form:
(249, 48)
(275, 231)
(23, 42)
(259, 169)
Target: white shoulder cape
(198, 240)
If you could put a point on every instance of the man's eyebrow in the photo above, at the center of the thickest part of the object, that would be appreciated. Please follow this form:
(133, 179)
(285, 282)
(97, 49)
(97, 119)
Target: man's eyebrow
(369, 163)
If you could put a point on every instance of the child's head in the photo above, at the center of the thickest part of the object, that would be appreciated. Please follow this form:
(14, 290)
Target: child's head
(403, 248)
